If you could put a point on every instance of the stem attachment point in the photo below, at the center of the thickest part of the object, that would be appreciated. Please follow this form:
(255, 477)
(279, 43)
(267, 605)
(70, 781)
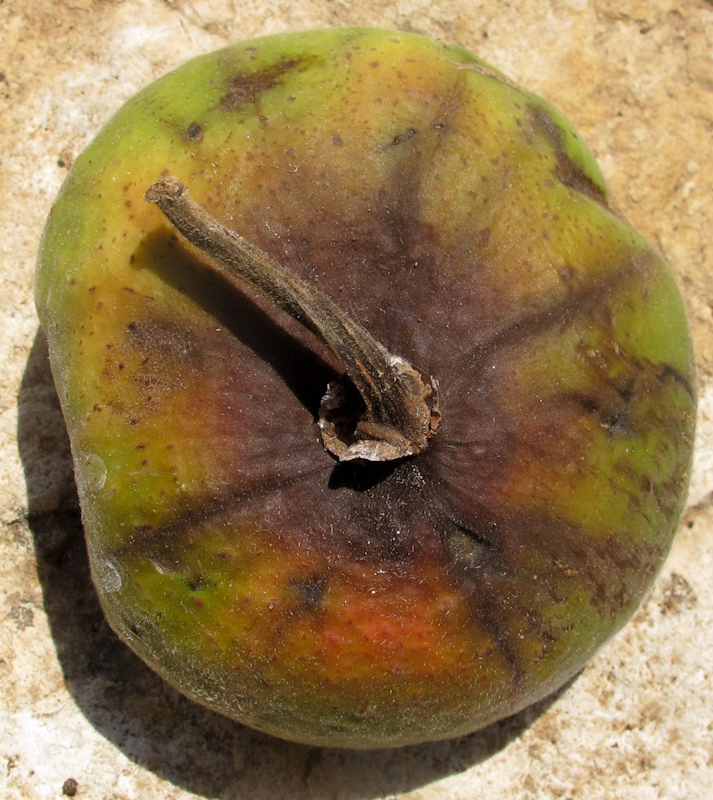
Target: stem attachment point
(382, 408)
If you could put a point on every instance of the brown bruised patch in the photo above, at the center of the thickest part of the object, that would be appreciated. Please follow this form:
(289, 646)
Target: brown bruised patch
(248, 86)
(567, 170)
(165, 339)
(160, 355)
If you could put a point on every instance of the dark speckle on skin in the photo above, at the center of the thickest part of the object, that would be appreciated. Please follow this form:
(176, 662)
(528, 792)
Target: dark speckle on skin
(195, 132)
(617, 423)
(610, 410)
(196, 583)
(404, 137)
(310, 592)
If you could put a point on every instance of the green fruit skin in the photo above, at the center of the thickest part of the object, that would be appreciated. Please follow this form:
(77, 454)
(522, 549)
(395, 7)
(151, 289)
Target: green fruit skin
(465, 224)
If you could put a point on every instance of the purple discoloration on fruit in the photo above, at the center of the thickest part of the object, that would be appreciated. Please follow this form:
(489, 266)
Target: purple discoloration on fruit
(341, 603)
(402, 516)
(395, 515)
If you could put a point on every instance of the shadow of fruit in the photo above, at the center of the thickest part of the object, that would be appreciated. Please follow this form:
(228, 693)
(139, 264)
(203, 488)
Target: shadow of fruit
(468, 230)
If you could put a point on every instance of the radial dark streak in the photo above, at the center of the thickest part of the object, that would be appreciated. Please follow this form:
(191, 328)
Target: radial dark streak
(408, 173)
(478, 587)
(561, 313)
(490, 618)
(207, 511)
(604, 566)
(568, 172)
(670, 372)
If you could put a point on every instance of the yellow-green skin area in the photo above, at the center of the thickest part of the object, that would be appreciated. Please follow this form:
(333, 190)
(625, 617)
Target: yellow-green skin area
(463, 222)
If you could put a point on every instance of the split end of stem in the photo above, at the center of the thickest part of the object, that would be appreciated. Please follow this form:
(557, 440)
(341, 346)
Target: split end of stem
(164, 190)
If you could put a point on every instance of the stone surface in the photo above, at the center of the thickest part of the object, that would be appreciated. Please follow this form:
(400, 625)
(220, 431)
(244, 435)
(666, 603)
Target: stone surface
(636, 78)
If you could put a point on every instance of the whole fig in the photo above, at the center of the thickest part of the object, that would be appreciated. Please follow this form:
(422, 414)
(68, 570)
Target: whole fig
(381, 413)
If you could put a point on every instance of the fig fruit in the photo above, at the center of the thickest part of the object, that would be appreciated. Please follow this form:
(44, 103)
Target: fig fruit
(381, 412)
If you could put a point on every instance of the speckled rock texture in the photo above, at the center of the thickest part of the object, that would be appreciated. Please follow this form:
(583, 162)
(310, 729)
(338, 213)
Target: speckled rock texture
(79, 714)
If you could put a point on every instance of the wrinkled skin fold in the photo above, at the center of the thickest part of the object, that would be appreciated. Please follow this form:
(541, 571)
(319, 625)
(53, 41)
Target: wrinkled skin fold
(463, 222)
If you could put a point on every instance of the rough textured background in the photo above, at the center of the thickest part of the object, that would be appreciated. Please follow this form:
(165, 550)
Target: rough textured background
(636, 77)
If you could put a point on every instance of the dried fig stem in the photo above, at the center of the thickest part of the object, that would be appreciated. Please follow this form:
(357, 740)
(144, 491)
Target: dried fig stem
(399, 412)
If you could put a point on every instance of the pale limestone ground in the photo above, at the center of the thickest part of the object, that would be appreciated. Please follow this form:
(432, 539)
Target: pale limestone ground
(636, 77)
